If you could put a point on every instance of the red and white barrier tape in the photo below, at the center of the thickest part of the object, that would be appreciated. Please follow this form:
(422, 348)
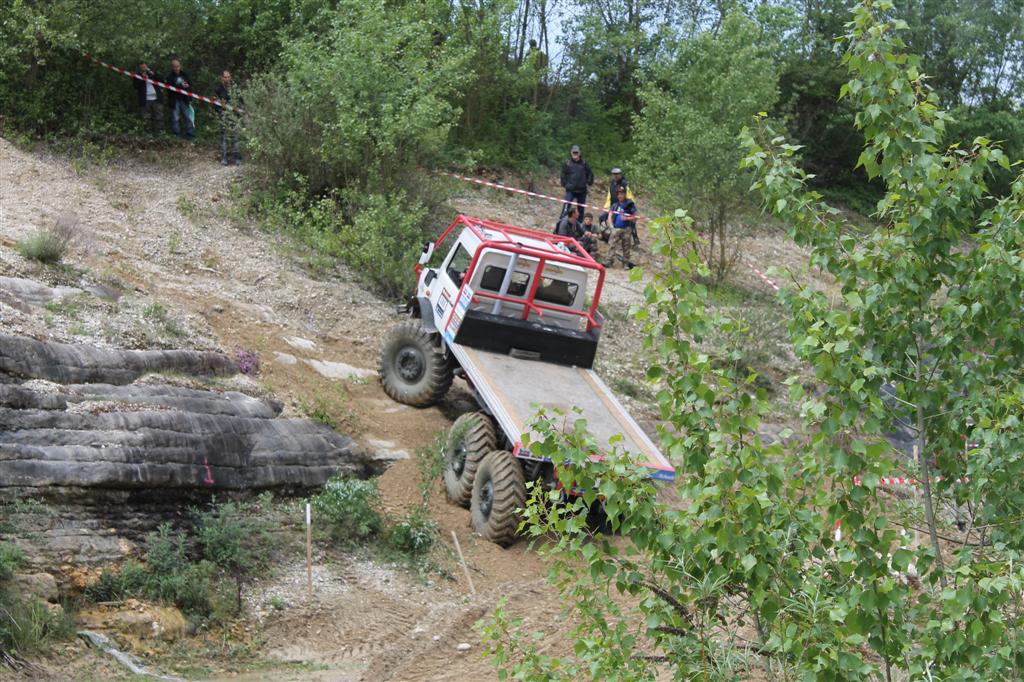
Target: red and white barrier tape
(537, 195)
(497, 185)
(165, 86)
(902, 481)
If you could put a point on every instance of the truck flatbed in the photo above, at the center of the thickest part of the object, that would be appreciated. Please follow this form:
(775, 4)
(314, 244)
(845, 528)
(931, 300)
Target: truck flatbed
(512, 386)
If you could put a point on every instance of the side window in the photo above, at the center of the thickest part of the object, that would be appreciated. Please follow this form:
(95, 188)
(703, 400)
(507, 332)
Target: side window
(493, 277)
(557, 291)
(457, 265)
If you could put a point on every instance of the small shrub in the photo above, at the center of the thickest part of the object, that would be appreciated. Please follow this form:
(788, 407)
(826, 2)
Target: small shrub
(248, 362)
(156, 312)
(321, 411)
(52, 244)
(42, 247)
(350, 507)
(169, 575)
(11, 558)
(27, 625)
(233, 539)
(413, 535)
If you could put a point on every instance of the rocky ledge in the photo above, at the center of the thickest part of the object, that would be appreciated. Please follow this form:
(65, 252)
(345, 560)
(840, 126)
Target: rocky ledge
(78, 417)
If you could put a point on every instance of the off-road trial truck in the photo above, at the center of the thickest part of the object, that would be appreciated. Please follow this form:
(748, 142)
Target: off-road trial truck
(505, 310)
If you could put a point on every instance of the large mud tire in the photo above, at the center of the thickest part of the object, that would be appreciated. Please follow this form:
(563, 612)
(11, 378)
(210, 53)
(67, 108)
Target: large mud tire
(499, 492)
(470, 439)
(412, 368)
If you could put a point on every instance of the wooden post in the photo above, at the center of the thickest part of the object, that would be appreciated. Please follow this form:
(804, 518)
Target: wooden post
(462, 560)
(309, 549)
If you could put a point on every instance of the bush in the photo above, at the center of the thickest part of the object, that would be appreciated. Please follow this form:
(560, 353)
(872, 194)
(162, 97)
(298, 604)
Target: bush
(232, 538)
(384, 241)
(414, 534)
(51, 245)
(42, 247)
(28, 624)
(168, 575)
(11, 557)
(350, 507)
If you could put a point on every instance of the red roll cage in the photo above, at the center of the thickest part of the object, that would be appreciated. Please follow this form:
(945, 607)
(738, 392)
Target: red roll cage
(552, 253)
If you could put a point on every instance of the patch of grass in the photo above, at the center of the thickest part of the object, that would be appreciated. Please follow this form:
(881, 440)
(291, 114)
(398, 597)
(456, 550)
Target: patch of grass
(187, 208)
(174, 241)
(157, 313)
(66, 306)
(43, 247)
(332, 409)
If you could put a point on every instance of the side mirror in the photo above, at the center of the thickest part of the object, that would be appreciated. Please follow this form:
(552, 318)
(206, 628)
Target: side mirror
(428, 251)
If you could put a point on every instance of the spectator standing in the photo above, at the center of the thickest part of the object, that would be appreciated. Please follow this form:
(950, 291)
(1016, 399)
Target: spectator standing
(618, 180)
(623, 217)
(229, 120)
(576, 176)
(150, 97)
(182, 114)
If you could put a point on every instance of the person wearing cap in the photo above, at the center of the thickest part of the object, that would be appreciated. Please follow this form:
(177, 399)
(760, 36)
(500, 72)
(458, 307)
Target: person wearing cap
(618, 180)
(623, 218)
(575, 178)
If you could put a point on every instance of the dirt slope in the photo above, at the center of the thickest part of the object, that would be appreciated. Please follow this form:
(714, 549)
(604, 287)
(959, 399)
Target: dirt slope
(162, 221)
(167, 229)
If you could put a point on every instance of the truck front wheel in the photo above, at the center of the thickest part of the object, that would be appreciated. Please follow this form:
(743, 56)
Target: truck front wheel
(499, 492)
(412, 368)
(470, 439)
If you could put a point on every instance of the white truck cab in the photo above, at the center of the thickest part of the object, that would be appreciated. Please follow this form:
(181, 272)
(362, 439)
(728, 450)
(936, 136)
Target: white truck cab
(506, 309)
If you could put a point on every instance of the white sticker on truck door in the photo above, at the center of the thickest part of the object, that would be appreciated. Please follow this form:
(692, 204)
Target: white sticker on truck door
(461, 306)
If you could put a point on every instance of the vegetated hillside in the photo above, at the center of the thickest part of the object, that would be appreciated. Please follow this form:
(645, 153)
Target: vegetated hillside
(162, 227)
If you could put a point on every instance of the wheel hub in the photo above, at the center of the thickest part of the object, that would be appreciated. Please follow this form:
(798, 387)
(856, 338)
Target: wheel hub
(487, 499)
(410, 364)
(458, 460)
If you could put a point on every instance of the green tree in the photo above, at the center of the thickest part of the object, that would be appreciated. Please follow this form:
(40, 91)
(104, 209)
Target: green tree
(694, 105)
(750, 543)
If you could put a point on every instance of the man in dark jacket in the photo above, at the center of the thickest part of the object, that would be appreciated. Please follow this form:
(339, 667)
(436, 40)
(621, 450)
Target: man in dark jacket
(575, 178)
(229, 120)
(150, 96)
(570, 226)
(181, 105)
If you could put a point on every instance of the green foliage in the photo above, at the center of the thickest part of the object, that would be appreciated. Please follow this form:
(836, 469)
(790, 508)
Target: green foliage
(27, 625)
(233, 537)
(11, 557)
(413, 534)
(351, 508)
(170, 575)
(44, 247)
(750, 542)
(359, 103)
(922, 297)
(694, 106)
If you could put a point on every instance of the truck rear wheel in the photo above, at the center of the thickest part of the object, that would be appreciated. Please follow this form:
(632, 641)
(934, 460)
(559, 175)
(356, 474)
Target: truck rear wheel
(412, 368)
(470, 439)
(499, 491)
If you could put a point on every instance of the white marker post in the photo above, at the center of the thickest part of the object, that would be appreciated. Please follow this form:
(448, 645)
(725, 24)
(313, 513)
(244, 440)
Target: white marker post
(309, 549)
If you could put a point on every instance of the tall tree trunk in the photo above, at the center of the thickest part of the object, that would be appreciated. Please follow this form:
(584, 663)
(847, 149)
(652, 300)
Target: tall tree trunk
(925, 468)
